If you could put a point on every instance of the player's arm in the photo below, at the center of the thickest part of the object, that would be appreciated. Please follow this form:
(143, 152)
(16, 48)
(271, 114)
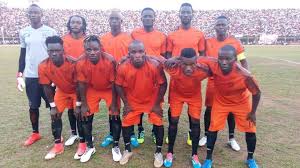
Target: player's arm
(162, 90)
(119, 85)
(20, 80)
(201, 53)
(244, 63)
(168, 55)
(114, 106)
(241, 55)
(49, 92)
(256, 93)
(82, 86)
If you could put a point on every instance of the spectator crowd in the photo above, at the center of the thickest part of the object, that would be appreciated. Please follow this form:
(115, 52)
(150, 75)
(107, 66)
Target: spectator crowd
(282, 22)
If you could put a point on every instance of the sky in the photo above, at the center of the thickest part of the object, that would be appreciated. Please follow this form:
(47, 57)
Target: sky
(157, 4)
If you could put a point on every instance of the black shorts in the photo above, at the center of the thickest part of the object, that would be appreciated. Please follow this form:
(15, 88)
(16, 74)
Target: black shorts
(35, 93)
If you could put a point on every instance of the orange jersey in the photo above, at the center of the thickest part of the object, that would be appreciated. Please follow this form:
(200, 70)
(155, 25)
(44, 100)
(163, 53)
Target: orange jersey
(63, 76)
(99, 76)
(140, 85)
(186, 86)
(232, 91)
(180, 39)
(155, 42)
(213, 46)
(117, 46)
(73, 47)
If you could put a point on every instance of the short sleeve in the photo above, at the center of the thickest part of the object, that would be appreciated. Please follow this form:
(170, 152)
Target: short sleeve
(163, 47)
(169, 44)
(201, 43)
(252, 85)
(43, 78)
(120, 76)
(80, 75)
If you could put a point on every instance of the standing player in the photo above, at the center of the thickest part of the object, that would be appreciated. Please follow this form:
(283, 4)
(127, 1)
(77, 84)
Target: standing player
(116, 44)
(155, 45)
(185, 37)
(95, 75)
(185, 87)
(234, 87)
(74, 49)
(33, 51)
(60, 71)
(212, 47)
(141, 84)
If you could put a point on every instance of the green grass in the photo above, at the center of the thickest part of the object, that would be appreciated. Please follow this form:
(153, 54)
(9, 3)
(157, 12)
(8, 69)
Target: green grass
(278, 116)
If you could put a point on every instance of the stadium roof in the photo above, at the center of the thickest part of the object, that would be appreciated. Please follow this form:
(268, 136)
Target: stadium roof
(157, 4)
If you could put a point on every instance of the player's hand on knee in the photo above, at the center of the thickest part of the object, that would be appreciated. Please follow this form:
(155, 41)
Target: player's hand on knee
(84, 111)
(53, 84)
(157, 110)
(20, 82)
(127, 108)
(252, 117)
(114, 109)
(77, 112)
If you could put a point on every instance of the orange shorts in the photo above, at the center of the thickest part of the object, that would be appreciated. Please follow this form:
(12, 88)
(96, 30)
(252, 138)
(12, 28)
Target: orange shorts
(219, 117)
(133, 117)
(194, 106)
(210, 91)
(63, 100)
(93, 98)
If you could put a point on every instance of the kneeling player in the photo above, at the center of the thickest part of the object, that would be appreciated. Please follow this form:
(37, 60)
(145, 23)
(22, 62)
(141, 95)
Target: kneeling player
(95, 75)
(141, 84)
(234, 86)
(60, 71)
(185, 87)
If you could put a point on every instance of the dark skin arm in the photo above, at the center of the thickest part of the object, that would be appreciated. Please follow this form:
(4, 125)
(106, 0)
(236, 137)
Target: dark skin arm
(160, 96)
(252, 115)
(244, 64)
(122, 94)
(168, 55)
(49, 92)
(114, 107)
(22, 60)
(201, 53)
(77, 111)
(84, 107)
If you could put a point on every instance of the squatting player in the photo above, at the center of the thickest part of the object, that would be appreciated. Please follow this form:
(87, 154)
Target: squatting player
(96, 75)
(236, 91)
(141, 84)
(57, 69)
(185, 87)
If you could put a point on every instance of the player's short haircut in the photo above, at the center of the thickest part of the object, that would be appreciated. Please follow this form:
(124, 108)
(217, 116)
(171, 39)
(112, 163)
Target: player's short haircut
(53, 40)
(228, 48)
(186, 4)
(222, 17)
(188, 53)
(34, 5)
(84, 24)
(92, 38)
(136, 42)
(117, 11)
(148, 8)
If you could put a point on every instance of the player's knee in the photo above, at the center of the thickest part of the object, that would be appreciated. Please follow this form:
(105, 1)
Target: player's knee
(195, 121)
(33, 110)
(174, 122)
(250, 136)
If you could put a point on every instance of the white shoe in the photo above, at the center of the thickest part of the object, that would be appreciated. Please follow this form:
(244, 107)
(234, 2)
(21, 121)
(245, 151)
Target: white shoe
(126, 156)
(203, 141)
(116, 153)
(233, 144)
(87, 154)
(71, 140)
(158, 160)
